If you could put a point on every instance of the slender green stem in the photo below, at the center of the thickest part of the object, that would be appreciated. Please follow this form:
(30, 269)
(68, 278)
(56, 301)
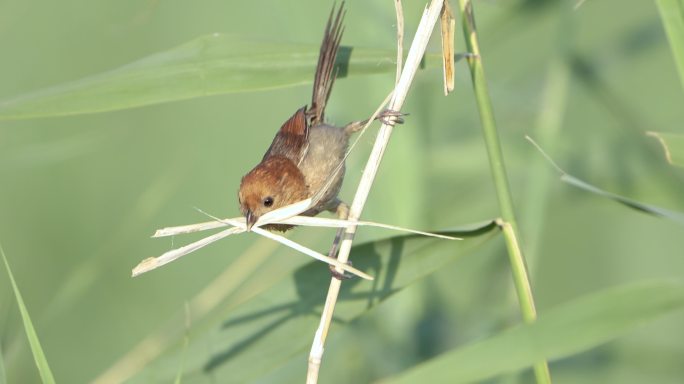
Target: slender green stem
(498, 169)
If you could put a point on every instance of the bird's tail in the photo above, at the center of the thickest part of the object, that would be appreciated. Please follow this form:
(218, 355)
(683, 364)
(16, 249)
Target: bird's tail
(325, 77)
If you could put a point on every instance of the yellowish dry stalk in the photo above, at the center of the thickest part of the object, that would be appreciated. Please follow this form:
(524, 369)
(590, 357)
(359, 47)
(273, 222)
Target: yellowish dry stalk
(416, 52)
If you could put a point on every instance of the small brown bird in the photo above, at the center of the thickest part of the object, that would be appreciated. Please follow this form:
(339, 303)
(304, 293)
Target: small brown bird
(306, 157)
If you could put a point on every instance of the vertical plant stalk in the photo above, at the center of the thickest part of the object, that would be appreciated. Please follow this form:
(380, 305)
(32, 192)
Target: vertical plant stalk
(549, 124)
(416, 52)
(508, 222)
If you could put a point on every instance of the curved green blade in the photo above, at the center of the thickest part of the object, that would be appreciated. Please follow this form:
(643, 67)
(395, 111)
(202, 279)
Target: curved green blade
(208, 65)
(571, 328)
(677, 217)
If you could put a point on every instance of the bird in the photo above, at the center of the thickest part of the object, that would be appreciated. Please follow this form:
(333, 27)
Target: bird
(306, 157)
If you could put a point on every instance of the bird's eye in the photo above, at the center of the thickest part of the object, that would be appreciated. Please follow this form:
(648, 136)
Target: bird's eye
(268, 201)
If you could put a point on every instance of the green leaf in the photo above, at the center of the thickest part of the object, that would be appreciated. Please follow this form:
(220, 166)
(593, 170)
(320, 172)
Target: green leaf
(672, 14)
(673, 146)
(647, 208)
(36, 349)
(677, 217)
(208, 65)
(571, 328)
(268, 330)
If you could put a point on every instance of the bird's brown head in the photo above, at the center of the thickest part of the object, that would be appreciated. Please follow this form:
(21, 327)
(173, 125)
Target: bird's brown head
(272, 184)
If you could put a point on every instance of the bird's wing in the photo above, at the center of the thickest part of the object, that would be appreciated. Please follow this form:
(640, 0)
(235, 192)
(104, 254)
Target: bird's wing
(292, 140)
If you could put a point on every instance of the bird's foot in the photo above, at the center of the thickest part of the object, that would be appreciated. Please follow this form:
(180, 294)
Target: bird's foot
(387, 116)
(341, 276)
(391, 117)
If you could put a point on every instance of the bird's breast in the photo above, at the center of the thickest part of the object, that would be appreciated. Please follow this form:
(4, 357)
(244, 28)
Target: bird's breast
(324, 155)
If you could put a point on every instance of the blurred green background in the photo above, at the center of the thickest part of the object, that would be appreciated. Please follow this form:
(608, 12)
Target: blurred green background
(80, 196)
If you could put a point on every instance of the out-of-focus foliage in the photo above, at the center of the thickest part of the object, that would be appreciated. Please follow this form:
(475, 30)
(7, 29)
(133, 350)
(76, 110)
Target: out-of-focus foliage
(80, 195)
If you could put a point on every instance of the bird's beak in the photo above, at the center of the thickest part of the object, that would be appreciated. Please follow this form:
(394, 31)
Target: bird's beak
(250, 219)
